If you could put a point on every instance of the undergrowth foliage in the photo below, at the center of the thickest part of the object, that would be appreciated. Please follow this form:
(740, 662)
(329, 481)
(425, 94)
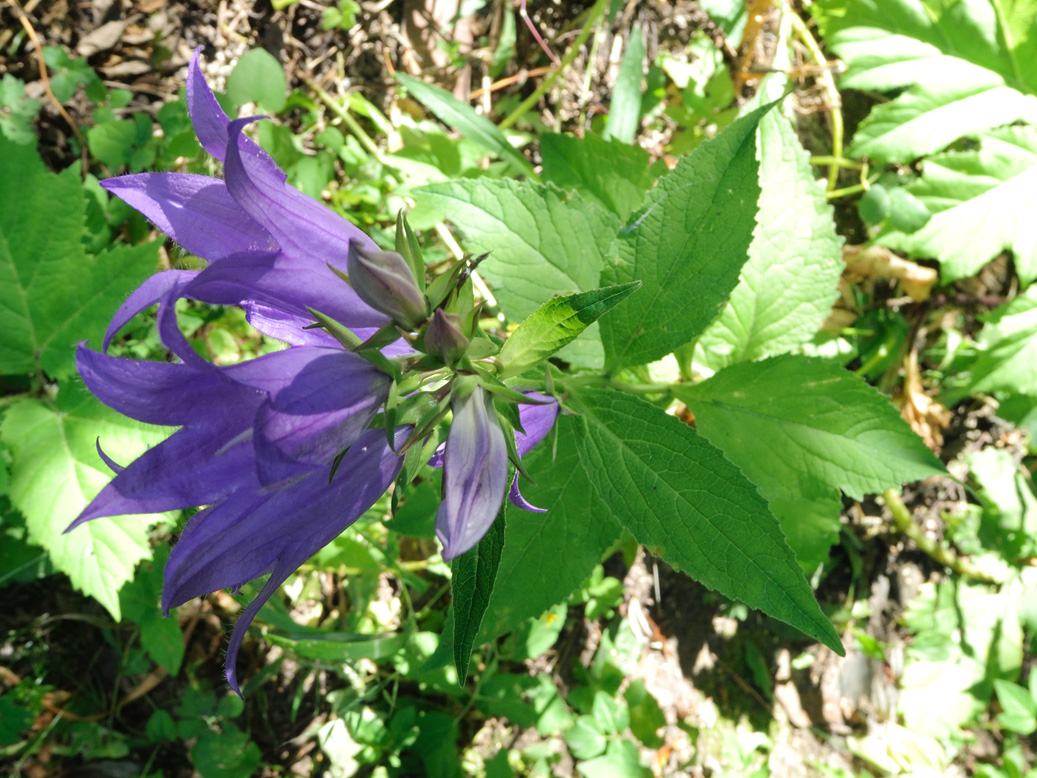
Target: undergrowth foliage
(444, 368)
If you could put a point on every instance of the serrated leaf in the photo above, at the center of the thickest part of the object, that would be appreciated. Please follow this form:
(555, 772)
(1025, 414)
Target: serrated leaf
(615, 175)
(577, 524)
(678, 495)
(625, 108)
(800, 429)
(542, 242)
(471, 585)
(788, 284)
(1008, 359)
(57, 471)
(52, 293)
(961, 76)
(463, 118)
(557, 323)
(258, 78)
(687, 247)
(982, 202)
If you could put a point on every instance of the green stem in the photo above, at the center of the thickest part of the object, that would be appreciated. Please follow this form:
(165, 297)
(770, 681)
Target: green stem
(828, 82)
(837, 161)
(835, 194)
(347, 119)
(905, 524)
(548, 82)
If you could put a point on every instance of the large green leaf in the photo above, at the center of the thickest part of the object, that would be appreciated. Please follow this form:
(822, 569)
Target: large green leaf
(802, 428)
(687, 248)
(625, 108)
(463, 118)
(615, 175)
(982, 201)
(679, 496)
(542, 242)
(52, 292)
(788, 284)
(57, 471)
(967, 66)
(471, 585)
(547, 555)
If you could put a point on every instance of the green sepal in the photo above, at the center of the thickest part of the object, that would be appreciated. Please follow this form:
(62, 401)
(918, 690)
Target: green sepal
(349, 340)
(391, 405)
(493, 384)
(407, 247)
(440, 288)
(509, 440)
(429, 421)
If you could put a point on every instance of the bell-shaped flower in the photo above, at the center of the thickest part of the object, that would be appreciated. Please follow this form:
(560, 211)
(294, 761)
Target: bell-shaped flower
(269, 245)
(475, 473)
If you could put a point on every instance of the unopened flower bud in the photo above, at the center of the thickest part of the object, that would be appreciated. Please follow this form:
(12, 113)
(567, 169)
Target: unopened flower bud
(384, 280)
(444, 338)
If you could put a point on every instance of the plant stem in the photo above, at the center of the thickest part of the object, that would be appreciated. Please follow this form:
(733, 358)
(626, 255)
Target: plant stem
(570, 55)
(828, 83)
(347, 119)
(905, 524)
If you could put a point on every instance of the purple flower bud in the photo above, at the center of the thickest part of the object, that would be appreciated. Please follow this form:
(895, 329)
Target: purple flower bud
(384, 280)
(444, 337)
(475, 473)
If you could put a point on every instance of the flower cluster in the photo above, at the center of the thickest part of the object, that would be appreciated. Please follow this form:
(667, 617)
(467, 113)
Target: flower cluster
(289, 449)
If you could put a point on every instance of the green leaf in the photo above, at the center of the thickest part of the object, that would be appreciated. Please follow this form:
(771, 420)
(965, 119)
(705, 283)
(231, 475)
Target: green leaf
(800, 429)
(57, 471)
(557, 323)
(52, 293)
(139, 601)
(615, 175)
(1014, 698)
(463, 118)
(964, 637)
(585, 739)
(542, 242)
(679, 496)
(960, 75)
(621, 760)
(625, 108)
(687, 247)
(16, 121)
(577, 524)
(982, 201)
(1008, 360)
(788, 284)
(229, 753)
(258, 78)
(471, 585)
(646, 717)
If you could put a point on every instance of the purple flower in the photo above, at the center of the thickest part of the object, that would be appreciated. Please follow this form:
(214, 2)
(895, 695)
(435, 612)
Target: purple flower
(475, 466)
(269, 245)
(257, 440)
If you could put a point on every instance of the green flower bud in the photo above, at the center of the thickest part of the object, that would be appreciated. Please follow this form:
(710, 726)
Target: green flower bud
(444, 338)
(384, 280)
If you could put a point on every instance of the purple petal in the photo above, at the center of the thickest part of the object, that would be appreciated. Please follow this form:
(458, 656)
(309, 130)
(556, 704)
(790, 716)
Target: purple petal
(114, 466)
(475, 474)
(194, 466)
(195, 211)
(152, 392)
(518, 500)
(301, 226)
(245, 537)
(209, 120)
(287, 327)
(283, 283)
(327, 406)
(147, 294)
(537, 421)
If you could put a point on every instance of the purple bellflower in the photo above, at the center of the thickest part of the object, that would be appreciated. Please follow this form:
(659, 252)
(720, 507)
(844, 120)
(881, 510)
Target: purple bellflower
(279, 448)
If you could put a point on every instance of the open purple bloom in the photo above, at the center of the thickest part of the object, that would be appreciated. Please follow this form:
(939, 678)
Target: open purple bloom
(256, 440)
(269, 245)
(475, 462)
